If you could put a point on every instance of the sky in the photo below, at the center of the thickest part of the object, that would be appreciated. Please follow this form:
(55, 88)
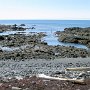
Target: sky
(45, 9)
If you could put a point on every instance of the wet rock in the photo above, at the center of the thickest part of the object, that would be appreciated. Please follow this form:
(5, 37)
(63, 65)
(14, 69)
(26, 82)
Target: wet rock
(22, 25)
(32, 28)
(12, 27)
(75, 35)
(42, 51)
(1, 50)
(1, 37)
(16, 27)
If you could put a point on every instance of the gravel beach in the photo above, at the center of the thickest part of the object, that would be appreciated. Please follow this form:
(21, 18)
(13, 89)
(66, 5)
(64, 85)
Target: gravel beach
(20, 75)
(11, 68)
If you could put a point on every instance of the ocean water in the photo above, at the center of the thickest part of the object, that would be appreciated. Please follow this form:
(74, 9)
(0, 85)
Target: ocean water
(49, 27)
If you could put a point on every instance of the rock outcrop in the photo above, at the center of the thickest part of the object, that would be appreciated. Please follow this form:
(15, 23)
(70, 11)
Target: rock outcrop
(14, 27)
(75, 35)
(32, 47)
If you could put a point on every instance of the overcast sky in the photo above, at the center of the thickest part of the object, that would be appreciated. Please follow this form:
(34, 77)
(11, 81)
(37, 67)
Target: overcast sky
(45, 9)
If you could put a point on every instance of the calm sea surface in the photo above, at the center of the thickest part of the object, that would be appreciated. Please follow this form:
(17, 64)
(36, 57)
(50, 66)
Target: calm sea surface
(49, 27)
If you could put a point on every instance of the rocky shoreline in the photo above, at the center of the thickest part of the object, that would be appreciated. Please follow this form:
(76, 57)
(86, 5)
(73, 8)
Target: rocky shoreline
(28, 55)
(31, 46)
(75, 35)
(15, 27)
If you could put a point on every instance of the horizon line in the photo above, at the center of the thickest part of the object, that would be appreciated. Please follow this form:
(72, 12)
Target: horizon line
(45, 19)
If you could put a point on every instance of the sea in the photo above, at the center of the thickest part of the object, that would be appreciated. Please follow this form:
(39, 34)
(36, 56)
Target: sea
(49, 27)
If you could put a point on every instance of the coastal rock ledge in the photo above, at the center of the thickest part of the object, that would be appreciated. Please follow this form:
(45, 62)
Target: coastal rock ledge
(75, 35)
